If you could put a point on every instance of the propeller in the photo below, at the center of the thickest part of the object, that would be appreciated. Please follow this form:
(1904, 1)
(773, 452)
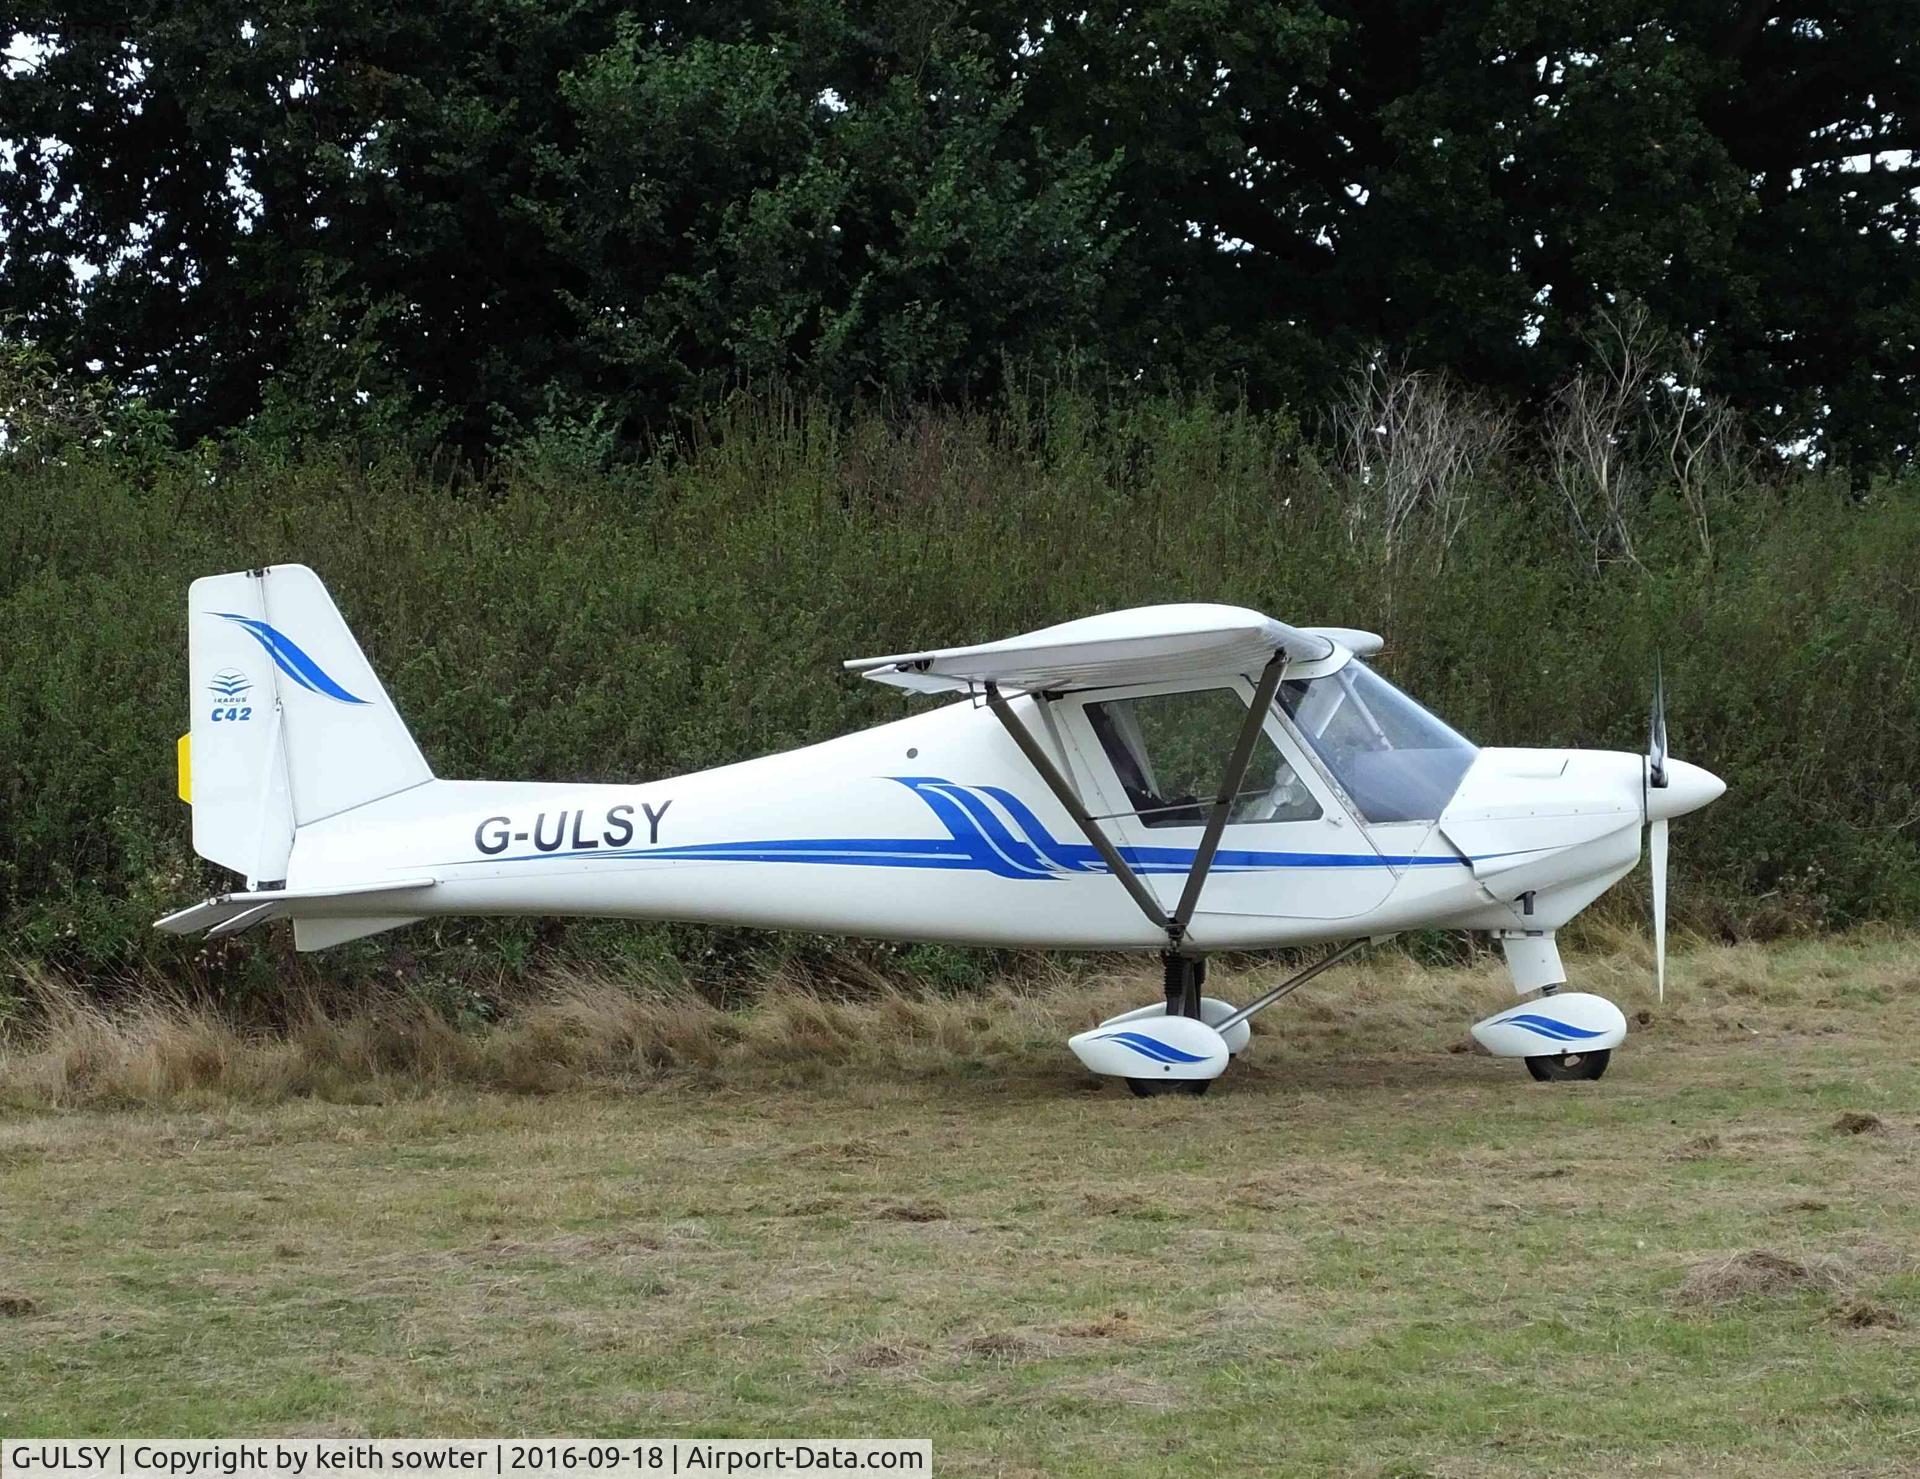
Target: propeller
(1656, 780)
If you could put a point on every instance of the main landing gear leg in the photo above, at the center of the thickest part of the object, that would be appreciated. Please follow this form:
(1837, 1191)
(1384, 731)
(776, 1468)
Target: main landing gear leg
(1185, 976)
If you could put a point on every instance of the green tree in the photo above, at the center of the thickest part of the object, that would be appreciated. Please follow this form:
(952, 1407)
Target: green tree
(504, 210)
(741, 212)
(470, 215)
(1470, 180)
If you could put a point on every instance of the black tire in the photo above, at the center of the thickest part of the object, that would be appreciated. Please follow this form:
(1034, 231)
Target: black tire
(1153, 1088)
(1566, 1068)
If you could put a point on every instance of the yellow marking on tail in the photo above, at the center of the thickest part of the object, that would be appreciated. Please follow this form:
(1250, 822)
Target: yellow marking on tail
(183, 755)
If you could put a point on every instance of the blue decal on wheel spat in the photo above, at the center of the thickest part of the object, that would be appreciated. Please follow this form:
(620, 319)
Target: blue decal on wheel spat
(1151, 1047)
(1551, 1027)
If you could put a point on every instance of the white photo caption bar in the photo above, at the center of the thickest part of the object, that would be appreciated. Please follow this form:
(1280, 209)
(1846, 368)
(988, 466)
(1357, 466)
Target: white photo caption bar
(455, 1458)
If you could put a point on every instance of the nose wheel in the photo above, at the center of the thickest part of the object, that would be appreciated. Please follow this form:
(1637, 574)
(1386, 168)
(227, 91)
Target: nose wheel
(1153, 1088)
(1564, 1068)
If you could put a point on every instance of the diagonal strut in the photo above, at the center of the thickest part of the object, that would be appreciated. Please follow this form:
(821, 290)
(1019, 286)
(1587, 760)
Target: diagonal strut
(1064, 794)
(1242, 756)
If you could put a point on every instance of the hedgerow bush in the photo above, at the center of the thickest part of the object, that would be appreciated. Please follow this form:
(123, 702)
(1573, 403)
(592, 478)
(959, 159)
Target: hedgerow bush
(563, 618)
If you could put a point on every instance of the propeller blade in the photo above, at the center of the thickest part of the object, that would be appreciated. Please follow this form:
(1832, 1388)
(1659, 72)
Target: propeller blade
(1657, 852)
(1657, 732)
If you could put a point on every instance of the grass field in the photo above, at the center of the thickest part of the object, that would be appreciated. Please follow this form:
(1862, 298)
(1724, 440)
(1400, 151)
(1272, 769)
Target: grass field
(1367, 1251)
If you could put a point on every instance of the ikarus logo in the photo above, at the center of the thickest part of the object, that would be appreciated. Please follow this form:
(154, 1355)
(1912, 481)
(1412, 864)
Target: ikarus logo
(230, 688)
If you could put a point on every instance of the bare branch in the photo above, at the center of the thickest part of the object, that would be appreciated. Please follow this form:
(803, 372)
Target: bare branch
(1592, 426)
(1413, 445)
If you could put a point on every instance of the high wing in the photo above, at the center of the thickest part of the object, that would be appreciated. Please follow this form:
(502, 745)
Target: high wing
(1142, 645)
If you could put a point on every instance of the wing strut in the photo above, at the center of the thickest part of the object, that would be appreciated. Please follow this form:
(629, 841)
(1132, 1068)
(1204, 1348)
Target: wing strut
(1237, 763)
(1236, 772)
(1064, 794)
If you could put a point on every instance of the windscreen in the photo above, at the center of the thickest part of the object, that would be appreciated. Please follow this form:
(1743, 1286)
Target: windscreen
(1395, 760)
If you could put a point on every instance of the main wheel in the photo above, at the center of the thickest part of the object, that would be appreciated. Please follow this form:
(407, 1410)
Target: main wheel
(1153, 1088)
(1564, 1068)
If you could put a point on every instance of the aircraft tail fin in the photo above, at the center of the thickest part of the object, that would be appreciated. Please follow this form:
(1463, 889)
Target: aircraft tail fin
(290, 724)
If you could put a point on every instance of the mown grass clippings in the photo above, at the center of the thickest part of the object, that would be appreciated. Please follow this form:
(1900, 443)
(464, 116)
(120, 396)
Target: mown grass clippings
(1865, 1314)
(1757, 1272)
(918, 1209)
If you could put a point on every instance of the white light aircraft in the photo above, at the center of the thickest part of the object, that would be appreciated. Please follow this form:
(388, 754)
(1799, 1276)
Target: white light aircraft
(1182, 779)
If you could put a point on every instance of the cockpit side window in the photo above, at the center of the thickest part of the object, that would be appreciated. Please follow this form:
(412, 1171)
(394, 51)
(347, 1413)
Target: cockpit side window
(1170, 752)
(1394, 759)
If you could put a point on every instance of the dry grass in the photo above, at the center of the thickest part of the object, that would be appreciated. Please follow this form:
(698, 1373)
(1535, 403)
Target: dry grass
(579, 1032)
(1864, 1314)
(564, 1034)
(1760, 1272)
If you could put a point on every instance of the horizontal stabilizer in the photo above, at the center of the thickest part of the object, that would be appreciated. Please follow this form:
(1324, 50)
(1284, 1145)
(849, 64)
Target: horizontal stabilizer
(228, 914)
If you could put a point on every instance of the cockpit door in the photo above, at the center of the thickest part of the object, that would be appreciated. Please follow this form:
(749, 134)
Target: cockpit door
(1155, 755)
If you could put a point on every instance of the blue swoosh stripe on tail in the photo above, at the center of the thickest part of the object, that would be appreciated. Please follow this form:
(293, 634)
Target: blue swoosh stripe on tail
(291, 658)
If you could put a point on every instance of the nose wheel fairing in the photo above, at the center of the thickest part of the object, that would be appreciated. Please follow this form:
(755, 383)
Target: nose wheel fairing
(1553, 1026)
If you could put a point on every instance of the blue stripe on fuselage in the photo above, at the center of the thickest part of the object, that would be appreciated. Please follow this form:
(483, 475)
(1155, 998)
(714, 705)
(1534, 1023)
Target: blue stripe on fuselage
(979, 840)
